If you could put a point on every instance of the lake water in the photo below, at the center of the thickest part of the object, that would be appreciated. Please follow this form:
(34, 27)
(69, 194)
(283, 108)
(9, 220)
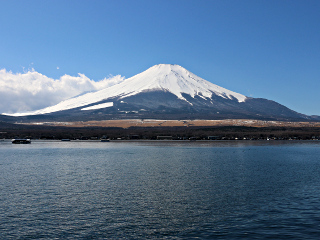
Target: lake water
(160, 190)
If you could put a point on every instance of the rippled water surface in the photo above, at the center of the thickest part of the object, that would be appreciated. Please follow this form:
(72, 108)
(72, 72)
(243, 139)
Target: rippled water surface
(160, 190)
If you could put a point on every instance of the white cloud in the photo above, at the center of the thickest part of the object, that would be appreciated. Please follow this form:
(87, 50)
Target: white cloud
(20, 92)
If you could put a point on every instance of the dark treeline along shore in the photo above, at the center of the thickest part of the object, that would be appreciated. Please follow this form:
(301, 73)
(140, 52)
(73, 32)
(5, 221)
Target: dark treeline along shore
(8, 131)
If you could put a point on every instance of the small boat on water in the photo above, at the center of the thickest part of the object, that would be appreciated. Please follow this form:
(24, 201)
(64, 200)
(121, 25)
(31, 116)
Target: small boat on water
(21, 141)
(104, 138)
(65, 140)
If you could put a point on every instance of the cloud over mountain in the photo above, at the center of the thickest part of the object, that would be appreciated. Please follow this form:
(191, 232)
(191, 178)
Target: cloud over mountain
(32, 90)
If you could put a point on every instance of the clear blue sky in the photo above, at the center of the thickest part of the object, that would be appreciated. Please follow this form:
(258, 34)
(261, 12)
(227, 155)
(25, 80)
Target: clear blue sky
(268, 49)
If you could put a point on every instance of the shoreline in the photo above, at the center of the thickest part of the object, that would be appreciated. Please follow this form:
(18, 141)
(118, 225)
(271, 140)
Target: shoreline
(127, 123)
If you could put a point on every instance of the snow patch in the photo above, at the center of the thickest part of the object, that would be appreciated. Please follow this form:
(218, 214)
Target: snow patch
(99, 106)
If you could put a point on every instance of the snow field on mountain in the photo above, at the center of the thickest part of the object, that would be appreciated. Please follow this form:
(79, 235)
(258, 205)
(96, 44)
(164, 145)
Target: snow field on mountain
(99, 106)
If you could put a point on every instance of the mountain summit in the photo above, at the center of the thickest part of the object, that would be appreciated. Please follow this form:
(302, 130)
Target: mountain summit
(165, 91)
(176, 80)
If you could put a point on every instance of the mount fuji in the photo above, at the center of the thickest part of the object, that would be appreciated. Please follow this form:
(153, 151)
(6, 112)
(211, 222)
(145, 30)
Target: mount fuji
(163, 91)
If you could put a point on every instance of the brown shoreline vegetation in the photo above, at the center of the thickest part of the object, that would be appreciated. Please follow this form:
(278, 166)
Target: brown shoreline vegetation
(241, 129)
(179, 123)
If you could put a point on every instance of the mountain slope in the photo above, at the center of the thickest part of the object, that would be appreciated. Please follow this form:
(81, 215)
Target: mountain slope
(164, 91)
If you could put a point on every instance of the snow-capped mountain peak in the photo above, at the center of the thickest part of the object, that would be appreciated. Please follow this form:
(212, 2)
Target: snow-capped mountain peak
(163, 77)
(177, 80)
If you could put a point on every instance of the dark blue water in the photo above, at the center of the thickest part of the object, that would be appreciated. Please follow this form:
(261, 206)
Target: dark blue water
(160, 190)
